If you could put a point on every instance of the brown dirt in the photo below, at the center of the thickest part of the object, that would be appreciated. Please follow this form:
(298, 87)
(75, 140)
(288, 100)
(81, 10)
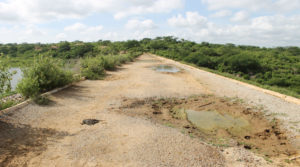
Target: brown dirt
(19, 140)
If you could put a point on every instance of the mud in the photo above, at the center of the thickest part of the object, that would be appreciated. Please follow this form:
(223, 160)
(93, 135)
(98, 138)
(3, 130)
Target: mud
(257, 133)
(166, 68)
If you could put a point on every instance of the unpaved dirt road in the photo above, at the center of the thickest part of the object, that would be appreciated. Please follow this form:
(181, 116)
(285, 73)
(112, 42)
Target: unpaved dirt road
(54, 136)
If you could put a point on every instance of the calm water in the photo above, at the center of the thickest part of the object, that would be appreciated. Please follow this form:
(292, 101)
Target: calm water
(16, 77)
(211, 120)
(166, 68)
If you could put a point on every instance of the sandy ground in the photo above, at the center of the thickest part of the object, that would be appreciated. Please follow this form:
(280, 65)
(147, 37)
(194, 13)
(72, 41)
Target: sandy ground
(53, 135)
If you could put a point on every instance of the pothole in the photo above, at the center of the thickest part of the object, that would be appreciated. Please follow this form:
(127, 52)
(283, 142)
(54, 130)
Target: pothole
(166, 68)
(90, 122)
(212, 120)
(224, 122)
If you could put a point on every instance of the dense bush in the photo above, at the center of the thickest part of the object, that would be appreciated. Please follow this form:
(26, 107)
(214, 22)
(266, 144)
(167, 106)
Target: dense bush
(242, 63)
(110, 62)
(45, 74)
(92, 68)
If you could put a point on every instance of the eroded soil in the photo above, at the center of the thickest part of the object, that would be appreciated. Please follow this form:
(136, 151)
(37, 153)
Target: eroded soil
(262, 136)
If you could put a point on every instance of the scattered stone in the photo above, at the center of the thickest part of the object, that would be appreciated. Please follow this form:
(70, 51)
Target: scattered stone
(247, 137)
(187, 127)
(247, 147)
(90, 121)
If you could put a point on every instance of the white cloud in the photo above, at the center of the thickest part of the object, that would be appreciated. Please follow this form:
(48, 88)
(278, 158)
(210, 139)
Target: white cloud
(254, 5)
(191, 19)
(149, 6)
(29, 33)
(277, 30)
(81, 31)
(61, 36)
(256, 22)
(82, 28)
(222, 13)
(240, 16)
(45, 10)
(141, 25)
(76, 27)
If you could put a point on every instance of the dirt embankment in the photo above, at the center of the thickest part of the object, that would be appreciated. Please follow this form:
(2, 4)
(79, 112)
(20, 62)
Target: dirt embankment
(140, 126)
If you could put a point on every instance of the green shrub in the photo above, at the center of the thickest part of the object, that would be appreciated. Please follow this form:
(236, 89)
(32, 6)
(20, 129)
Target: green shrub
(7, 104)
(41, 100)
(242, 63)
(110, 62)
(45, 74)
(92, 68)
(29, 87)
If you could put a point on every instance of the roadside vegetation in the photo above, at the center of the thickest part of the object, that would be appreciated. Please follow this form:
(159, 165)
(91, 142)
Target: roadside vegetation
(94, 67)
(46, 67)
(43, 75)
(277, 68)
(5, 87)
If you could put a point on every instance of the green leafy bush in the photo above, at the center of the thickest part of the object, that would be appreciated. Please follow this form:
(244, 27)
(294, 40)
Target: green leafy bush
(45, 74)
(242, 63)
(93, 68)
(110, 62)
(7, 104)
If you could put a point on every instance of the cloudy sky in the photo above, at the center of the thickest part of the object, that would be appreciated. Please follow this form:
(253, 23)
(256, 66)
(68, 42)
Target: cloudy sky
(252, 22)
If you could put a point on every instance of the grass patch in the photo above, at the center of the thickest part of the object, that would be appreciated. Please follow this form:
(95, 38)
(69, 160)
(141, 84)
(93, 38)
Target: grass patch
(169, 125)
(178, 113)
(7, 104)
(268, 159)
(41, 100)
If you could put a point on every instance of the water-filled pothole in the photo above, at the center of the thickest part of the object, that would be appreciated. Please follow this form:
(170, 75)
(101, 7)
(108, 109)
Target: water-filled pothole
(212, 120)
(166, 68)
(221, 121)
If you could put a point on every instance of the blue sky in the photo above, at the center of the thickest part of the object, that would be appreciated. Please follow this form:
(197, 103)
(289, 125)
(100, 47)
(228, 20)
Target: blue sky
(250, 22)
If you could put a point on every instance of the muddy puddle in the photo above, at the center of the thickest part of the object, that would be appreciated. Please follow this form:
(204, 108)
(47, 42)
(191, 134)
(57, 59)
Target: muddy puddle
(222, 122)
(211, 120)
(166, 68)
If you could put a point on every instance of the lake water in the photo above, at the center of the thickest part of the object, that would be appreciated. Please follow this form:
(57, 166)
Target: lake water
(16, 77)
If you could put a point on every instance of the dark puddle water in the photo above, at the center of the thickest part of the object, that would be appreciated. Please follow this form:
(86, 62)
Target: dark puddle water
(166, 68)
